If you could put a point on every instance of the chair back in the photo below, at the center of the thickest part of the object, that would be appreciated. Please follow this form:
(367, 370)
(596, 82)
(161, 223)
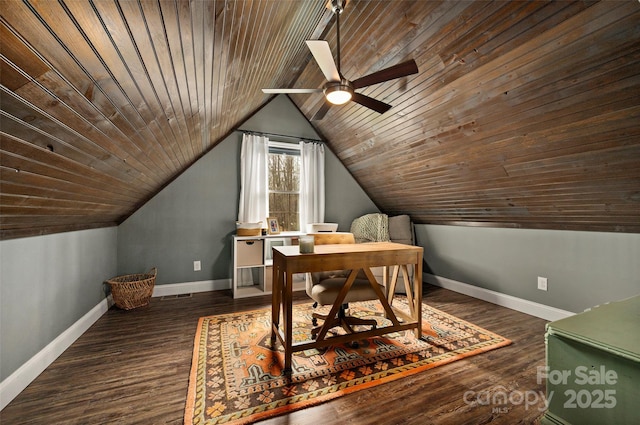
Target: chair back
(329, 238)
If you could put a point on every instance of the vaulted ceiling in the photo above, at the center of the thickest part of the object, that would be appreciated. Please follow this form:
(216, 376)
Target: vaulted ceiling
(523, 114)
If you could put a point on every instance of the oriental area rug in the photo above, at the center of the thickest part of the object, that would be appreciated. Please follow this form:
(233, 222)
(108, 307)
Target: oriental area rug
(236, 372)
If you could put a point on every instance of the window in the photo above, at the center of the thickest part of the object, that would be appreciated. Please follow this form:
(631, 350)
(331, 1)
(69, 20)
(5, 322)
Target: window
(284, 184)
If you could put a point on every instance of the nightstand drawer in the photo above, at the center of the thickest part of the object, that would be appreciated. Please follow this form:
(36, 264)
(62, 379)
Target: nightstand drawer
(249, 252)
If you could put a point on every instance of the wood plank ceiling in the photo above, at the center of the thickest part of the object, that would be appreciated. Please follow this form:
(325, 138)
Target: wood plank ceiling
(524, 114)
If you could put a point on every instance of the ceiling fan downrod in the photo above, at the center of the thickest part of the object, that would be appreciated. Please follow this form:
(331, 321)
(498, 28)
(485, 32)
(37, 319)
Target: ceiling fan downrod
(337, 6)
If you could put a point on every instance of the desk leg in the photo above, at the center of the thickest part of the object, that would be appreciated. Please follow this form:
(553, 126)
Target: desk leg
(288, 320)
(276, 298)
(408, 288)
(391, 289)
(381, 296)
(417, 297)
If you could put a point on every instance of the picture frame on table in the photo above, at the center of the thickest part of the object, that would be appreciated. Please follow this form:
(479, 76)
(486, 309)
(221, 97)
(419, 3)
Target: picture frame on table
(274, 227)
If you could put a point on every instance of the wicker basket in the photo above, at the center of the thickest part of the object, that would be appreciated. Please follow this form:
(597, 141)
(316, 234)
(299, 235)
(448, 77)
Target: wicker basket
(248, 229)
(248, 232)
(133, 290)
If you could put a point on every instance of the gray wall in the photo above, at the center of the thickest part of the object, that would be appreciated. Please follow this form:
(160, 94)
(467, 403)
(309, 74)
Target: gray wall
(281, 116)
(47, 283)
(194, 217)
(344, 198)
(584, 269)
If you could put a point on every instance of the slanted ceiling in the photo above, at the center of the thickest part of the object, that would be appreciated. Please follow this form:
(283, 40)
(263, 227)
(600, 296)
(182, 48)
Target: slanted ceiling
(524, 114)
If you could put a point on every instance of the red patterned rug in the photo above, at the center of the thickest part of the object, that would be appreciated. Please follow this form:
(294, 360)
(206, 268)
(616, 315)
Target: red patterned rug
(236, 374)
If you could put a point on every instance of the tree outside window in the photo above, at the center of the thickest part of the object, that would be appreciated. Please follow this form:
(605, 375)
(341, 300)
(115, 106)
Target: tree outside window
(284, 189)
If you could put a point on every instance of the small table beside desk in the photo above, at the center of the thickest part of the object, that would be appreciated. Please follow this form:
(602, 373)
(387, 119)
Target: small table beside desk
(287, 261)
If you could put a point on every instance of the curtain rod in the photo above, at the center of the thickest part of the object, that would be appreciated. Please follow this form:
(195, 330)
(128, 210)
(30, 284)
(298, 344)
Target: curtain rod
(260, 133)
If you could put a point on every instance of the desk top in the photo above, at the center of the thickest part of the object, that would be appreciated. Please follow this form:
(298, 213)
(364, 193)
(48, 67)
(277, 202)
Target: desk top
(347, 256)
(294, 250)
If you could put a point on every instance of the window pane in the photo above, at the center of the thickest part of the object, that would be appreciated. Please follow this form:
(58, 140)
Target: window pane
(284, 189)
(284, 207)
(284, 173)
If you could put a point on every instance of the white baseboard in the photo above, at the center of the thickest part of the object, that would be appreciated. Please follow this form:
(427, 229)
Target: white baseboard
(15, 383)
(504, 300)
(21, 378)
(191, 287)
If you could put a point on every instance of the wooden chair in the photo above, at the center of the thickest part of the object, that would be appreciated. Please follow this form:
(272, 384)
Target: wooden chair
(323, 288)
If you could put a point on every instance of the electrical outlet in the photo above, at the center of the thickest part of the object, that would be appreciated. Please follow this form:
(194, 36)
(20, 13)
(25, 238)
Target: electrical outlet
(542, 283)
(196, 266)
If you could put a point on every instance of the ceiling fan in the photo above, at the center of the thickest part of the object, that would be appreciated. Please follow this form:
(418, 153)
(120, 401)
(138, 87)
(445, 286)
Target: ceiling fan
(338, 90)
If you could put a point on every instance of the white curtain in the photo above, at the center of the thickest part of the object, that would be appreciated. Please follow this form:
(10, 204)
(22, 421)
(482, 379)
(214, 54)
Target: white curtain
(254, 179)
(311, 184)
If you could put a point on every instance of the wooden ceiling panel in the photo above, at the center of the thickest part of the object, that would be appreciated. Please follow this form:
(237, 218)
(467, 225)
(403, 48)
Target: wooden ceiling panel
(459, 130)
(523, 114)
(128, 94)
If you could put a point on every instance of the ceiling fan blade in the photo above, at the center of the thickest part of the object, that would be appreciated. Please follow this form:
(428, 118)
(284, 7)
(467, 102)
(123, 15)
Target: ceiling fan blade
(292, 90)
(396, 71)
(320, 113)
(323, 56)
(371, 103)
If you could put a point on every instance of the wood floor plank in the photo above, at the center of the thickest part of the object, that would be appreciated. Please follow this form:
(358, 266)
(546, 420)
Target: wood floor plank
(132, 367)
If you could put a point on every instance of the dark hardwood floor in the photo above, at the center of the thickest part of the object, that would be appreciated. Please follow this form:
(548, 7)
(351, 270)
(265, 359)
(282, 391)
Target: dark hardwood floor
(132, 367)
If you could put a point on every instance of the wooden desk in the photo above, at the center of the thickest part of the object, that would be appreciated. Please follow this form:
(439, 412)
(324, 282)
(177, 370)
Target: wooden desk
(287, 260)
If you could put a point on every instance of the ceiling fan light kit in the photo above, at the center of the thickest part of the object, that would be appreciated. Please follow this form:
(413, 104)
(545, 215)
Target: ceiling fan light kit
(338, 93)
(338, 90)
